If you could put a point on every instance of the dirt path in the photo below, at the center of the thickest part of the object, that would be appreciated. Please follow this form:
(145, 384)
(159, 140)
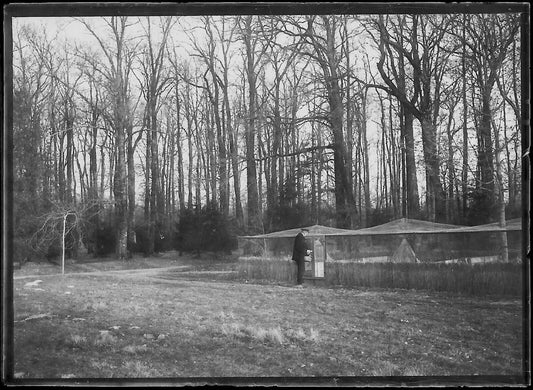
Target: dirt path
(136, 272)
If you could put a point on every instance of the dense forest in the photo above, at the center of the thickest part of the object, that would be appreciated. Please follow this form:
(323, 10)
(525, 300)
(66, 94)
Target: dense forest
(151, 133)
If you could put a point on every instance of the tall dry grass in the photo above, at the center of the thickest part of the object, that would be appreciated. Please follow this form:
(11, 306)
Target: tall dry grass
(477, 279)
(272, 335)
(259, 268)
(469, 279)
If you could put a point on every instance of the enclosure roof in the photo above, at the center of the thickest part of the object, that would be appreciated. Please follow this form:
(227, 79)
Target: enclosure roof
(404, 226)
(398, 226)
(510, 225)
(315, 230)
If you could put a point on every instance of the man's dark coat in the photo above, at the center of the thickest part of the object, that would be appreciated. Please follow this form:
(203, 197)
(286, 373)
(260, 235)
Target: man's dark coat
(300, 248)
(298, 254)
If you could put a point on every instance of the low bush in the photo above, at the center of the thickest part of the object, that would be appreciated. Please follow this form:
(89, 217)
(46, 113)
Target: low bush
(205, 229)
(105, 242)
(22, 250)
(101, 240)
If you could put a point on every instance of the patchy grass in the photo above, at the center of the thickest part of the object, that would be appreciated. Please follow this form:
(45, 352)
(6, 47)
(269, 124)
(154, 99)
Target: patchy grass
(134, 325)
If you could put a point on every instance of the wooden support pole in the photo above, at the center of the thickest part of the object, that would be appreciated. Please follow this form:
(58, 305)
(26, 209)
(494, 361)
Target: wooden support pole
(63, 245)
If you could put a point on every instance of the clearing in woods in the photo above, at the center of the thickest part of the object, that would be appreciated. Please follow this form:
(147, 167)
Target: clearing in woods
(192, 318)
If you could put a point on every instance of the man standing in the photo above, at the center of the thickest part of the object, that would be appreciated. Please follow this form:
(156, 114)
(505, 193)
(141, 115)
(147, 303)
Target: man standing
(299, 252)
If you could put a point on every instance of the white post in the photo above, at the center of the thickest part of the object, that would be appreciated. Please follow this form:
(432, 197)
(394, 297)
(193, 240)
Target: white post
(63, 245)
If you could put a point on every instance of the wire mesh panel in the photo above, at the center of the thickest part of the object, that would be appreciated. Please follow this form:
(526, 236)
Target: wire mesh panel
(427, 247)
(250, 247)
(280, 247)
(355, 248)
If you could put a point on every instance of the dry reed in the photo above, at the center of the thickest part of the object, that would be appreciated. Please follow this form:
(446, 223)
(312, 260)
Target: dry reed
(469, 279)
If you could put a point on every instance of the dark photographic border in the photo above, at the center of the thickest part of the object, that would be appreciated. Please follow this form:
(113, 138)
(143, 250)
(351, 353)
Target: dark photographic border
(154, 9)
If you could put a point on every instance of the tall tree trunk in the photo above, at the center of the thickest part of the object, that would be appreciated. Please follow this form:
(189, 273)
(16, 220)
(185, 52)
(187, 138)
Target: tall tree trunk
(366, 164)
(119, 192)
(413, 205)
(131, 190)
(349, 115)
(385, 154)
(155, 178)
(179, 151)
(314, 163)
(147, 178)
(198, 186)
(61, 169)
(222, 156)
(450, 201)
(485, 151)
(211, 153)
(102, 172)
(190, 169)
(93, 173)
(435, 198)
(254, 216)
(509, 170)
(233, 147)
(464, 170)
(69, 129)
(344, 202)
(273, 194)
(394, 165)
(171, 187)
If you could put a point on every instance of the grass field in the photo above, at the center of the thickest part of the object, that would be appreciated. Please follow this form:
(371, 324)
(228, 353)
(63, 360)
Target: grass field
(188, 322)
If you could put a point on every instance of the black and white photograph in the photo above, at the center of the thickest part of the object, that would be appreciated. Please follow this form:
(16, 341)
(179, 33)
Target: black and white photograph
(266, 194)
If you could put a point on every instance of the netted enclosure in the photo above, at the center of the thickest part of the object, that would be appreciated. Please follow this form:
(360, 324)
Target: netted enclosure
(430, 242)
(339, 254)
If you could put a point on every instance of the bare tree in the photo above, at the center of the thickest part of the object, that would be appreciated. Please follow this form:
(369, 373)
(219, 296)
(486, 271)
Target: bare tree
(510, 92)
(418, 45)
(30, 97)
(154, 83)
(178, 101)
(488, 39)
(323, 50)
(253, 53)
(117, 72)
(226, 33)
